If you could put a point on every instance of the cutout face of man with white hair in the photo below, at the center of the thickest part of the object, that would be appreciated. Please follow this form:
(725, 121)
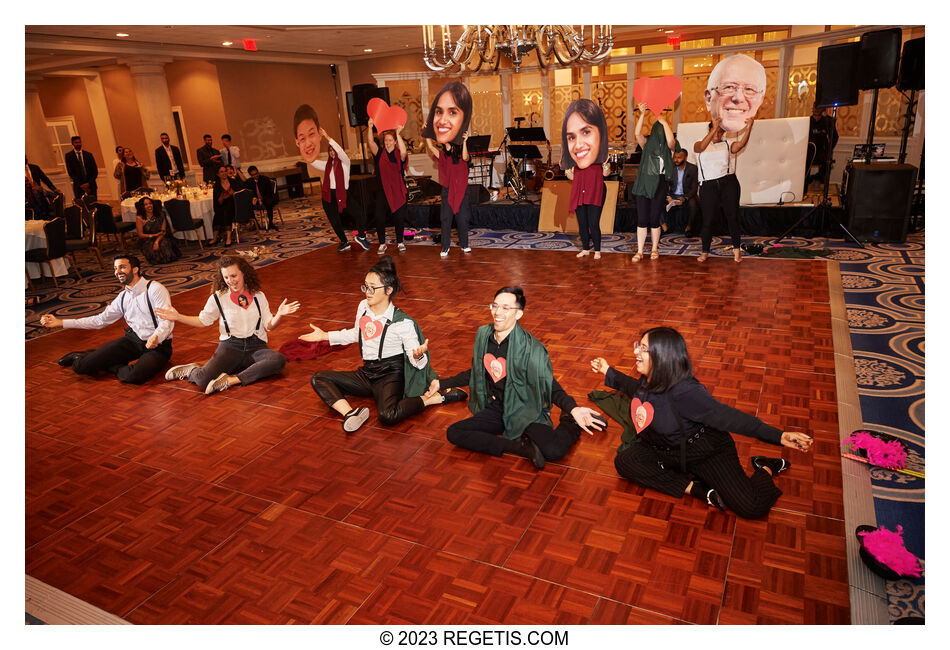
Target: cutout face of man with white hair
(735, 91)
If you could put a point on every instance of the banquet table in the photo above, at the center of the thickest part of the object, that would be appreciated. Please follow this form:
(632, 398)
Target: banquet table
(199, 203)
(36, 238)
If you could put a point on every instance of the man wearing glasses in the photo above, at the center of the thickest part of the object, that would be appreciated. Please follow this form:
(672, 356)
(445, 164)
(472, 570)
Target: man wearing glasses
(735, 91)
(512, 389)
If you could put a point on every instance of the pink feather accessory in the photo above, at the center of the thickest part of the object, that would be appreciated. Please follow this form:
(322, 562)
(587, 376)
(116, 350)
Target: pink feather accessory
(887, 547)
(890, 454)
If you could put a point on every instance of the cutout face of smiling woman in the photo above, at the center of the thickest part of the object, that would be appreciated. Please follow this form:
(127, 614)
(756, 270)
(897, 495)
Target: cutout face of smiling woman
(583, 141)
(450, 114)
(583, 135)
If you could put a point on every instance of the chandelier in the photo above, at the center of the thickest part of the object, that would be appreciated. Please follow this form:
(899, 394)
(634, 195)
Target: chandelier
(485, 44)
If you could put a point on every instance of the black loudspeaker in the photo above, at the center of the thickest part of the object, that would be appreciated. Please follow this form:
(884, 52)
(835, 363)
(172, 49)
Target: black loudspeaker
(912, 66)
(362, 93)
(351, 109)
(880, 58)
(477, 194)
(837, 75)
(878, 200)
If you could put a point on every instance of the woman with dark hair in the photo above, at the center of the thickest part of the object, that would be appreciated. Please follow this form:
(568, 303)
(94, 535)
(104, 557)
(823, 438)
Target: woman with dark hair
(223, 202)
(131, 173)
(154, 242)
(336, 181)
(584, 159)
(391, 161)
(447, 124)
(396, 369)
(718, 185)
(656, 170)
(683, 444)
(242, 356)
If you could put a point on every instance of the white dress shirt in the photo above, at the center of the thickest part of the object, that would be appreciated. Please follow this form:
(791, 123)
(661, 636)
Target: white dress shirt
(135, 312)
(173, 170)
(344, 160)
(235, 156)
(400, 337)
(241, 321)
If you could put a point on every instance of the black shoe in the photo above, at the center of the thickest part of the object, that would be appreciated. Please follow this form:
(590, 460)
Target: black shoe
(355, 419)
(450, 395)
(530, 451)
(713, 499)
(68, 359)
(345, 246)
(777, 465)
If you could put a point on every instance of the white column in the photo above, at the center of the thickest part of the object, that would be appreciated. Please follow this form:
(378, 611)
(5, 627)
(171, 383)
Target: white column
(154, 102)
(39, 142)
(104, 133)
(678, 63)
(785, 56)
(546, 103)
(506, 98)
(585, 75)
(631, 106)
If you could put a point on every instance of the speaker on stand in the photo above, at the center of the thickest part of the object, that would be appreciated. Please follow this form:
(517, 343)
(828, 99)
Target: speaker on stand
(877, 68)
(911, 77)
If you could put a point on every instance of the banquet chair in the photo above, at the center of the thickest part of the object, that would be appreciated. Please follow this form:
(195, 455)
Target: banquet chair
(243, 214)
(81, 232)
(276, 201)
(106, 224)
(55, 232)
(179, 214)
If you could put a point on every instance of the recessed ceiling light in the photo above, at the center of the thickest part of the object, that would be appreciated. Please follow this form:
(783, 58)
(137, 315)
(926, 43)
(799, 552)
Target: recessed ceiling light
(121, 34)
(227, 43)
(669, 31)
(368, 49)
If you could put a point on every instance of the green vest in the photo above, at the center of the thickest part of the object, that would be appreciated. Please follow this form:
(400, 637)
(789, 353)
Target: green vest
(416, 381)
(648, 176)
(528, 385)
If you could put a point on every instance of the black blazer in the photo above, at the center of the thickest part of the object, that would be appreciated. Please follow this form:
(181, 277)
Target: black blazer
(690, 181)
(74, 167)
(209, 166)
(266, 186)
(164, 164)
(41, 177)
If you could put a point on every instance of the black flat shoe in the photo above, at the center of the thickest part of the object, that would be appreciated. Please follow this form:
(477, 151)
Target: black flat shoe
(777, 465)
(450, 395)
(68, 359)
(530, 451)
(713, 499)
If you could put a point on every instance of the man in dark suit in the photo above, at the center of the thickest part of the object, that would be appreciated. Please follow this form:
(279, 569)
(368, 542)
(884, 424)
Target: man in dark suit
(82, 170)
(168, 160)
(210, 159)
(683, 192)
(262, 193)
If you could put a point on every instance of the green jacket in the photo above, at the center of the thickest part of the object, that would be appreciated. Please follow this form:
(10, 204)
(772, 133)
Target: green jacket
(416, 381)
(617, 405)
(528, 384)
(648, 176)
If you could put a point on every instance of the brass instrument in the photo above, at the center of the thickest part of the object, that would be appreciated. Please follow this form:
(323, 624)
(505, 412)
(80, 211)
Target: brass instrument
(513, 178)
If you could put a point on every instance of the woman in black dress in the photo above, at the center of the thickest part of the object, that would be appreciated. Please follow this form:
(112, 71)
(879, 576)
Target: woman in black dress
(157, 246)
(131, 173)
(683, 445)
(223, 200)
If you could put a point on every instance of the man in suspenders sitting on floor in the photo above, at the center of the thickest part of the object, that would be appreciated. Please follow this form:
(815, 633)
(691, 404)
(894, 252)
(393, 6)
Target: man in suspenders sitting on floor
(147, 341)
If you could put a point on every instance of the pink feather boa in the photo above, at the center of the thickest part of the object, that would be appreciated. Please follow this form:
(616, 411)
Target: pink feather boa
(890, 455)
(887, 547)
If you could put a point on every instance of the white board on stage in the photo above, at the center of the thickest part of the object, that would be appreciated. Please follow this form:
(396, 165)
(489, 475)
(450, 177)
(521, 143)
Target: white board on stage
(772, 165)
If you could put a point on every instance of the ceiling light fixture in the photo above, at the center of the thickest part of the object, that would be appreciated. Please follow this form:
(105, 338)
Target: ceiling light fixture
(121, 34)
(227, 43)
(368, 49)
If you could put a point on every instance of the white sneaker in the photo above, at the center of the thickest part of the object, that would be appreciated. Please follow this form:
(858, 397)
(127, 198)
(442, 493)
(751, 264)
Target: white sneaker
(401, 247)
(180, 372)
(467, 249)
(218, 383)
(355, 419)
(381, 249)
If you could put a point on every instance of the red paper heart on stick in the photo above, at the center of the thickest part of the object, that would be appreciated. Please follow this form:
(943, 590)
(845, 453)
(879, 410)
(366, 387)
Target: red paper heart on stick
(657, 94)
(641, 414)
(370, 328)
(497, 368)
(385, 117)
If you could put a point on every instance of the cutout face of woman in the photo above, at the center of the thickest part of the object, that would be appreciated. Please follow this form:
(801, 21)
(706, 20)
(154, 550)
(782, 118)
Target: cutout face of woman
(448, 119)
(583, 141)
(233, 278)
(308, 140)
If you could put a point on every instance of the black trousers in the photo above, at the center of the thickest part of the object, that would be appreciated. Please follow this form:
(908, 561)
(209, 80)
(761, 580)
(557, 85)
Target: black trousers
(483, 433)
(691, 207)
(588, 222)
(720, 194)
(382, 211)
(249, 359)
(384, 382)
(115, 356)
(462, 218)
(650, 209)
(712, 458)
(336, 220)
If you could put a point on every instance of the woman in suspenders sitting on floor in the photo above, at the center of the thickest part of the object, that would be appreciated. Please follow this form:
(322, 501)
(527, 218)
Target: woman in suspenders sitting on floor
(244, 316)
(396, 369)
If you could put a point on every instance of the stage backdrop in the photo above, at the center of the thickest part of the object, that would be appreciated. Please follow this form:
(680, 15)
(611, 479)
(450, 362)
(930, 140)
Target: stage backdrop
(772, 165)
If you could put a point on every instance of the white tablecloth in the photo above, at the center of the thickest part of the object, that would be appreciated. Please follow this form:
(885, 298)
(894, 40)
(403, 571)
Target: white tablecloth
(201, 208)
(36, 238)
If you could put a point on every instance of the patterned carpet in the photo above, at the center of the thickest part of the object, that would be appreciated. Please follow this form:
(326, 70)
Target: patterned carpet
(884, 295)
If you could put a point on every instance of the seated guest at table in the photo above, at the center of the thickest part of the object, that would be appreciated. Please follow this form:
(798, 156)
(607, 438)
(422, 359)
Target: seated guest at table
(233, 175)
(210, 159)
(682, 190)
(147, 344)
(231, 155)
(131, 173)
(223, 202)
(168, 160)
(82, 170)
(262, 193)
(335, 183)
(242, 356)
(36, 175)
(155, 243)
(40, 201)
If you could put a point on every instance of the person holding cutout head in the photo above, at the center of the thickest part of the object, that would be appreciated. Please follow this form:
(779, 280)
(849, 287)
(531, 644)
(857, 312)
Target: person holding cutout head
(447, 124)
(396, 369)
(684, 445)
(512, 388)
(655, 174)
(242, 356)
(391, 161)
(584, 159)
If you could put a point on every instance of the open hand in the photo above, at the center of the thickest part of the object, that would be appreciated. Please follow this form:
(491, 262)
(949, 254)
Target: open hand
(167, 313)
(796, 440)
(585, 419)
(316, 335)
(287, 308)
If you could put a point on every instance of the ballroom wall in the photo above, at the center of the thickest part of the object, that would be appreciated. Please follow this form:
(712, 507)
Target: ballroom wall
(61, 96)
(194, 86)
(126, 120)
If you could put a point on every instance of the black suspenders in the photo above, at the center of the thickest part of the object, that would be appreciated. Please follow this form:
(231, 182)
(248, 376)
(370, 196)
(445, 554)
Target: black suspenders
(148, 301)
(224, 319)
(382, 339)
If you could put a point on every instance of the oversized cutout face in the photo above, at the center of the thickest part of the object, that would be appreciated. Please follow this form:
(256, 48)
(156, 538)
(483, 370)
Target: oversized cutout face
(450, 114)
(308, 140)
(735, 91)
(583, 141)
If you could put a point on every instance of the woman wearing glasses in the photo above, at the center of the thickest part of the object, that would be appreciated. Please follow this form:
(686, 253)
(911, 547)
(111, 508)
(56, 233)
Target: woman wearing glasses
(683, 445)
(396, 369)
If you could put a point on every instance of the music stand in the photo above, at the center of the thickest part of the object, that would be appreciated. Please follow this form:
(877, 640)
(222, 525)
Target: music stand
(527, 134)
(478, 144)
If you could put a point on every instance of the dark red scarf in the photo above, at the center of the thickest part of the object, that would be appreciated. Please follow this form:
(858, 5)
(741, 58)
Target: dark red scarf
(335, 167)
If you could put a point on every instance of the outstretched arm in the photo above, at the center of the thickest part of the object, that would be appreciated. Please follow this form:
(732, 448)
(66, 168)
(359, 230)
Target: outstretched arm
(171, 314)
(284, 309)
(370, 142)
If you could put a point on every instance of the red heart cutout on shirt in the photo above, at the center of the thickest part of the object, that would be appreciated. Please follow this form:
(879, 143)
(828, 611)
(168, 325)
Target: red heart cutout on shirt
(236, 299)
(370, 328)
(641, 414)
(657, 94)
(497, 367)
(385, 117)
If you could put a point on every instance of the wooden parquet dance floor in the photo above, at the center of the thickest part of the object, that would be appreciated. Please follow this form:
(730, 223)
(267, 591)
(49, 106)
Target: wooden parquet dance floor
(164, 506)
